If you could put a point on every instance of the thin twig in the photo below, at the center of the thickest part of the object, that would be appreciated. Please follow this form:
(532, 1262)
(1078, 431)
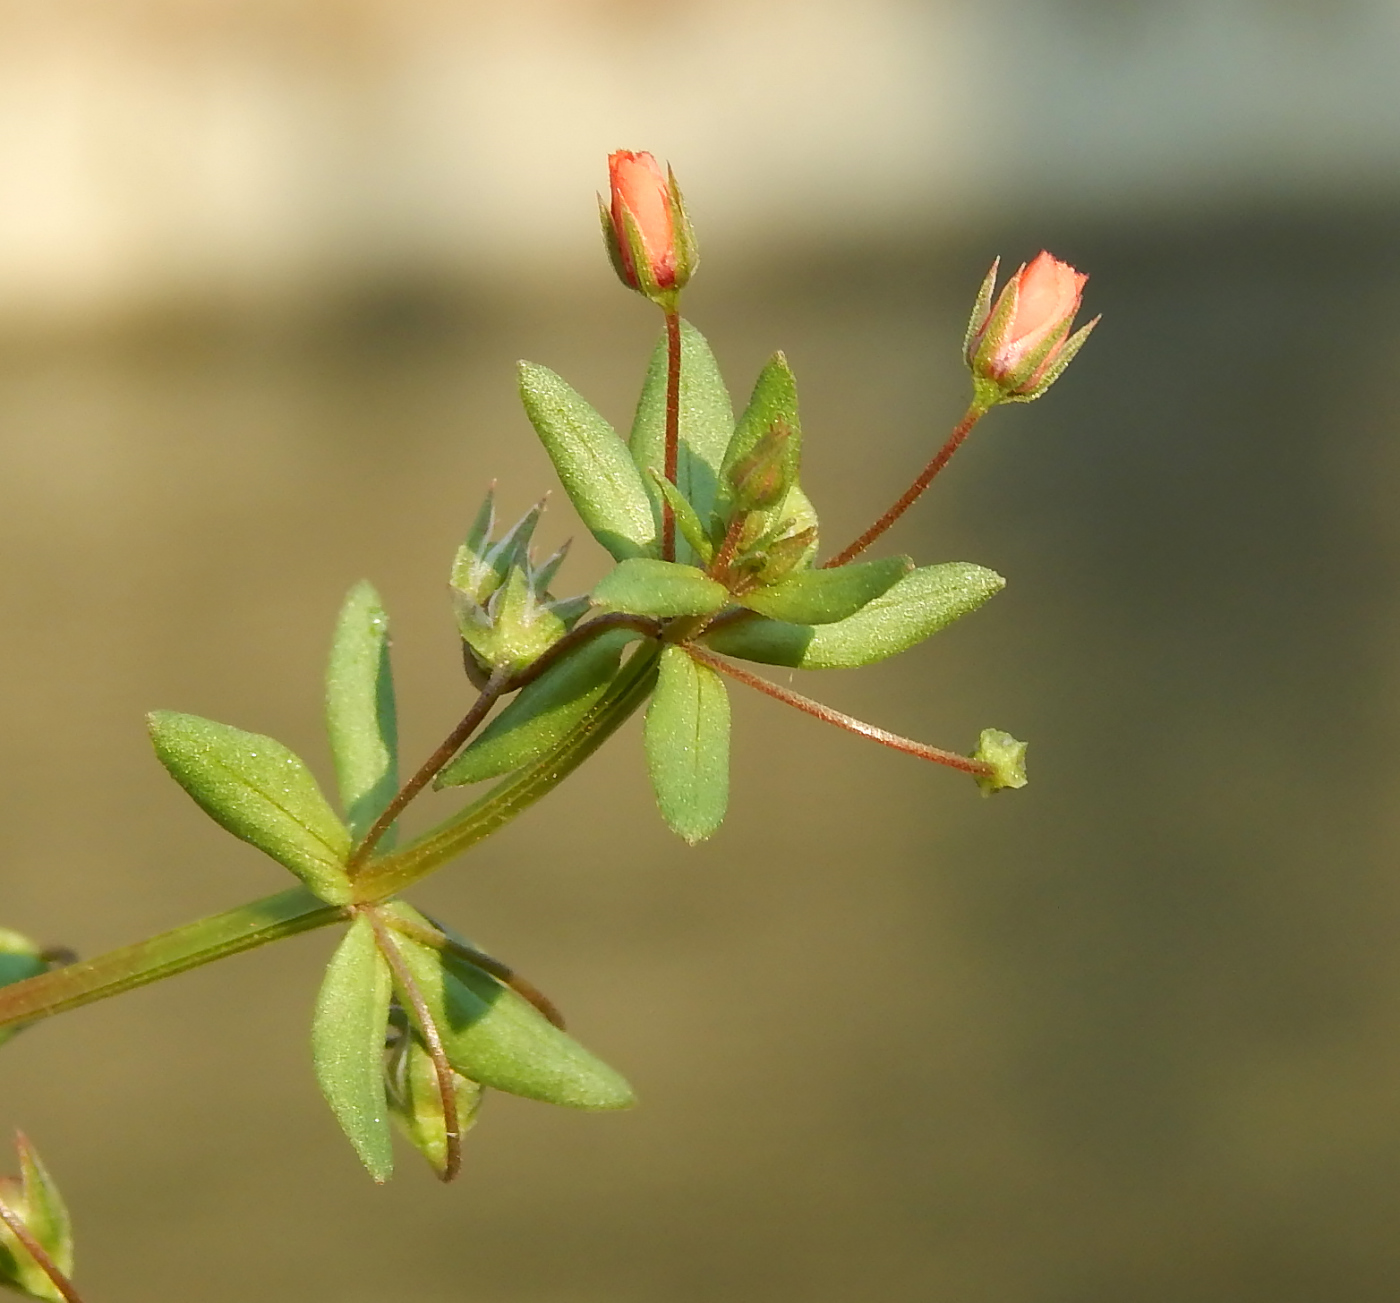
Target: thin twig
(432, 1041)
(849, 722)
(673, 429)
(490, 694)
(940, 459)
(720, 565)
(46, 1264)
(503, 973)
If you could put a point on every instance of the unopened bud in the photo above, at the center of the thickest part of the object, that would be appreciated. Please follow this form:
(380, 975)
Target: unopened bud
(1018, 348)
(762, 478)
(646, 229)
(34, 1200)
(1007, 758)
(414, 1097)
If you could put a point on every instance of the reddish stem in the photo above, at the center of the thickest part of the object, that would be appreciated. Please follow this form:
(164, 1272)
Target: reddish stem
(849, 722)
(496, 685)
(46, 1264)
(673, 429)
(432, 1041)
(503, 973)
(911, 495)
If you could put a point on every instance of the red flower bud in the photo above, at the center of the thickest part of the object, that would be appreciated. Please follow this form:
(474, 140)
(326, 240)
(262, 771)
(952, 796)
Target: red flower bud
(647, 232)
(1018, 348)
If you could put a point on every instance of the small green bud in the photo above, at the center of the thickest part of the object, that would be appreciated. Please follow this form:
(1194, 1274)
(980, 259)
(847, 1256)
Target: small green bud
(762, 477)
(505, 613)
(1007, 758)
(784, 556)
(35, 1200)
(415, 1102)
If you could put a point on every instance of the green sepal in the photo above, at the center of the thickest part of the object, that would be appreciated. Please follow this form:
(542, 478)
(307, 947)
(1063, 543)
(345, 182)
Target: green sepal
(19, 958)
(661, 589)
(415, 1099)
(347, 1044)
(687, 745)
(592, 463)
(261, 792)
(773, 403)
(686, 520)
(360, 714)
(493, 1036)
(1007, 757)
(36, 1200)
(919, 605)
(543, 714)
(706, 422)
(826, 596)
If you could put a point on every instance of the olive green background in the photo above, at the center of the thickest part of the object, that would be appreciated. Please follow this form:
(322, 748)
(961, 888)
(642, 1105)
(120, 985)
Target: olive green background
(1132, 1033)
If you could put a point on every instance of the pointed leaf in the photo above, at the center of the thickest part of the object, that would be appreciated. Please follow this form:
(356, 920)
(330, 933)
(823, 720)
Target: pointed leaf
(706, 421)
(659, 588)
(592, 463)
(686, 520)
(687, 743)
(260, 792)
(493, 1036)
(543, 713)
(347, 1045)
(919, 605)
(825, 596)
(360, 715)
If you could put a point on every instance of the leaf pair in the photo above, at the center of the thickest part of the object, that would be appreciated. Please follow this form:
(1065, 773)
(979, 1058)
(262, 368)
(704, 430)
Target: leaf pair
(265, 795)
(491, 1036)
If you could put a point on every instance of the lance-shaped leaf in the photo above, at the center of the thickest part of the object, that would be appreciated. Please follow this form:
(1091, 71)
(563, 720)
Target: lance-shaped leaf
(687, 745)
(35, 1199)
(919, 605)
(260, 792)
(543, 714)
(19, 958)
(706, 421)
(686, 520)
(360, 715)
(592, 463)
(493, 1036)
(347, 1045)
(415, 1100)
(659, 588)
(825, 596)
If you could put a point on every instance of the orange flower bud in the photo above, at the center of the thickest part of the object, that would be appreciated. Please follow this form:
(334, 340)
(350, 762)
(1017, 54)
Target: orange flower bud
(1018, 348)
(645, 226)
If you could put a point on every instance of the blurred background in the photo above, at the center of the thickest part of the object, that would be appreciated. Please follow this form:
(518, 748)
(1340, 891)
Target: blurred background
(1130, 1034)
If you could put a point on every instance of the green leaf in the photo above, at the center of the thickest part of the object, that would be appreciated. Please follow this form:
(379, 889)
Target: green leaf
(415, 1100)
(260, 792)
(543, 714)
(360, 715)
(592, 463)
(686, 520)
(706, 422)
(659, 588)
(347, 1044)
(687, 743)
(20, 958)
(826, 596)
(495, 1037)
(919, 605)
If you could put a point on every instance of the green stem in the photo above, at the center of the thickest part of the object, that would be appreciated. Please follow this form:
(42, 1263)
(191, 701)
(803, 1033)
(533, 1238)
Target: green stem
(248, 926)
(297, 909)
(386, 875)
